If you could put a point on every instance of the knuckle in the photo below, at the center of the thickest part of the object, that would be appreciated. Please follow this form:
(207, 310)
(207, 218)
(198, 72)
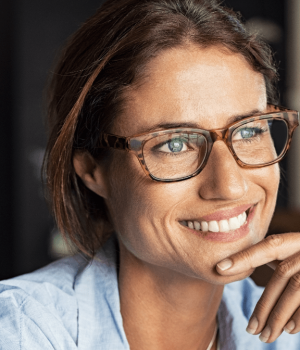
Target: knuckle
(283, 270)
(295, 282)
(276, 317)
(274, 241)
(246, 256)
(261, 306)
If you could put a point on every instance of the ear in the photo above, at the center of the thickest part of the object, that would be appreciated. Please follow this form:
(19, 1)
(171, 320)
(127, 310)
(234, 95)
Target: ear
(91, 173)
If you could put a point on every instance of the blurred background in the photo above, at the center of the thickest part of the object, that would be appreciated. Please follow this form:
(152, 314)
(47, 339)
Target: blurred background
(31, 36)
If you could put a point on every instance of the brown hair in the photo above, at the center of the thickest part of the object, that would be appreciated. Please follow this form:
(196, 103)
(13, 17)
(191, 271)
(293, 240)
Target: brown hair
(105, 56)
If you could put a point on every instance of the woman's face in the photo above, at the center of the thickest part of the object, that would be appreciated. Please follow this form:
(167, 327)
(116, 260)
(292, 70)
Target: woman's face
(206, 87)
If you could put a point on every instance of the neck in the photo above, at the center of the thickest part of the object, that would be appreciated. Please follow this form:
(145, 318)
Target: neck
(164, 309)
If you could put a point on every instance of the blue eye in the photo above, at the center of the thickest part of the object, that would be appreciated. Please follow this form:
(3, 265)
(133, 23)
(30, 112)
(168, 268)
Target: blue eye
(175, 145)
(246, 133)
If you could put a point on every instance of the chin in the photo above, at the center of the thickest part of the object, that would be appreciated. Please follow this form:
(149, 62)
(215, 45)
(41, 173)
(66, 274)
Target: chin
(222, 280)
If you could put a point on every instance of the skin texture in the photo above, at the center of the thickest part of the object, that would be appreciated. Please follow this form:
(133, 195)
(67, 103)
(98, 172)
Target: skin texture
(168, 281)
(189, 86)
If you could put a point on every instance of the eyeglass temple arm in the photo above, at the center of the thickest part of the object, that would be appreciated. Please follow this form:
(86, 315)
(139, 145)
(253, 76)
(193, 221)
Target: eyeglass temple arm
(113, 141)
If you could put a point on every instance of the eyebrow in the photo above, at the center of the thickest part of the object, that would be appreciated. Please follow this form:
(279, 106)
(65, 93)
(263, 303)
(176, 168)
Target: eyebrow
(232, 119)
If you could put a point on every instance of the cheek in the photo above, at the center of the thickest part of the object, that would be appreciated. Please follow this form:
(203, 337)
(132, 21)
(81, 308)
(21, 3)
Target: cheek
(272, 184)
(143, 210)
(129, 193)
(125, 180)
(266, 180)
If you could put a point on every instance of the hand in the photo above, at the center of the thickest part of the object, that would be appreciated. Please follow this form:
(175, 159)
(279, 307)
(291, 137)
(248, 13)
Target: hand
(278, 308)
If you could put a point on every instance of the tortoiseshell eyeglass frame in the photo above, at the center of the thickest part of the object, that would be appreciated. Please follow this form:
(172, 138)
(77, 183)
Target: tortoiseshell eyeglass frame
(135, 144)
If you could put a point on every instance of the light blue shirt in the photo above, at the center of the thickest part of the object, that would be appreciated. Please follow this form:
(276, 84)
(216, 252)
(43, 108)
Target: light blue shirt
(73, 304)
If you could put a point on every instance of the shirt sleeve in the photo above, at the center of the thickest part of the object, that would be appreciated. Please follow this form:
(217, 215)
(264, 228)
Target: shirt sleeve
(39, 311)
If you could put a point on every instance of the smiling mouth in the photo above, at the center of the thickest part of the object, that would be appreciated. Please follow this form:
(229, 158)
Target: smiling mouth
(225, 225)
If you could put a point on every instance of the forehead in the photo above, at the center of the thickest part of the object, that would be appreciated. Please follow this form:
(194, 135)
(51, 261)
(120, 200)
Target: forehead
(192, 85)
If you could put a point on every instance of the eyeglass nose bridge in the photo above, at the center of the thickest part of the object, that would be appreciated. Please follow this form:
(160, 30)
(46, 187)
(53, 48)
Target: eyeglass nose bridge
(218, 134)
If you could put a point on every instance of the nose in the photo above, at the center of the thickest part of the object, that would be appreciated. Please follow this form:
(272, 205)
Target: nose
(222, 178)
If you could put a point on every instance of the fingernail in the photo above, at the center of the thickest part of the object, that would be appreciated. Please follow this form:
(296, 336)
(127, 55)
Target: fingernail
(289, 327)
(265, 334)
(252, 325)
(225, 264)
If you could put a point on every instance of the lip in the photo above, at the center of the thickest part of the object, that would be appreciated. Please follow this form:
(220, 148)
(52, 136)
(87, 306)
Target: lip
(227, 213)
(229, 236)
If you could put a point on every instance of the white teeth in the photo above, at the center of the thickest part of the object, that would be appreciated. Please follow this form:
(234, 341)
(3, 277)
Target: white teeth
(224, 226)
(197, 225)
(240, 219)
(204, 226)
(213, 226)
(190, 224)
(217, 226)
(234, 223)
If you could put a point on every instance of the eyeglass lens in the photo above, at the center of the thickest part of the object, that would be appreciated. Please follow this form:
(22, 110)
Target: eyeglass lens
(177, 155)
(261, 141)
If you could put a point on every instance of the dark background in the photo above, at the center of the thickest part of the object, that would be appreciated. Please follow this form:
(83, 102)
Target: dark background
(31, 35)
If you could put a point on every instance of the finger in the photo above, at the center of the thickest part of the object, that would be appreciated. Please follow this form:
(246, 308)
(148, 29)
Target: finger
(278, 301)
(266, 303)
(293, 326)
(274, 264)
(275, 247)
(284, 309)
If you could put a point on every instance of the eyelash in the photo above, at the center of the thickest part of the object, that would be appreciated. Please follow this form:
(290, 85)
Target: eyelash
(258, 131)
(172, 154)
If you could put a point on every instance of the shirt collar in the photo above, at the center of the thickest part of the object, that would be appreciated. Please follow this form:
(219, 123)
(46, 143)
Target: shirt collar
(100, 324)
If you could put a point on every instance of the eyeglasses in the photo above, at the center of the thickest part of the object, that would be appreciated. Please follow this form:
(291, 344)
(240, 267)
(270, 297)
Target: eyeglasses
(178, 154)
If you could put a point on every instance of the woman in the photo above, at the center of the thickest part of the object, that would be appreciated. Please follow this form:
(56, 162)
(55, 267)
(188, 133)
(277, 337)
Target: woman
(189, 94)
